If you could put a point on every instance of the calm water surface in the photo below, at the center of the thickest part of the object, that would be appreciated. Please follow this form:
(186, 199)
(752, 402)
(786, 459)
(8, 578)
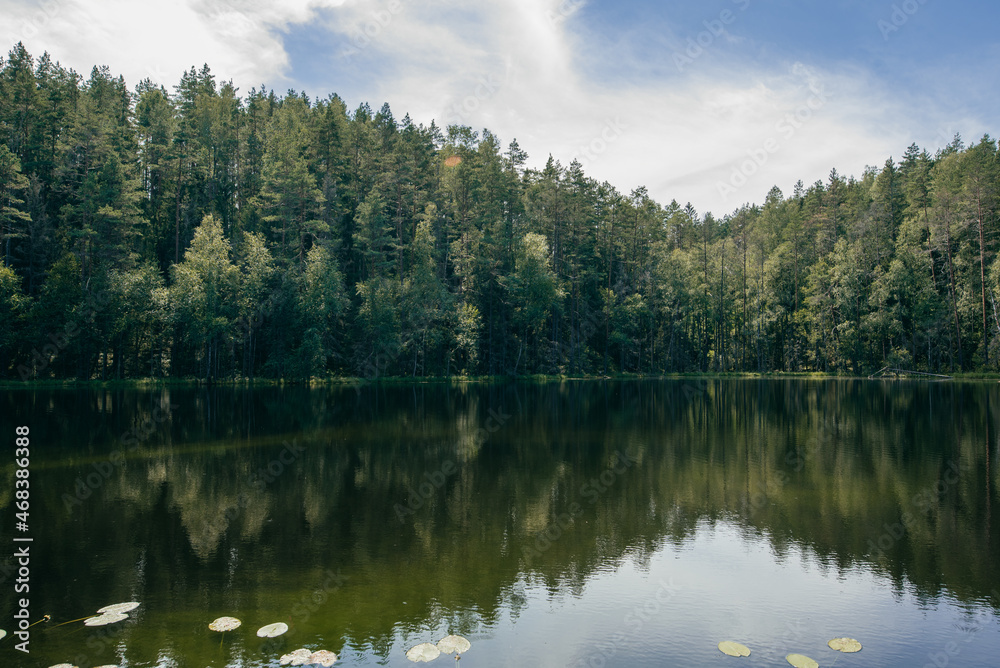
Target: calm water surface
(566, 524)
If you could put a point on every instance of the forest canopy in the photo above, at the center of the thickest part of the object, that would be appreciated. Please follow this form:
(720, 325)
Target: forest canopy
(195, 233)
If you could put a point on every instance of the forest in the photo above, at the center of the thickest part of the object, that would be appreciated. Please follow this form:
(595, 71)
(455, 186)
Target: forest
(194, 233)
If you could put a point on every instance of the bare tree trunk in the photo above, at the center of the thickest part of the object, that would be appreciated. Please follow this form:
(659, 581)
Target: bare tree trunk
(177, 213)
(982, 280)
(951, 289)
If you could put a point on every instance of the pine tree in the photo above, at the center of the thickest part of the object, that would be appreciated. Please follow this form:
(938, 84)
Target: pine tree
(291, 200)
(13, 218)
(425, 299)
(980, 176)
(322, 303)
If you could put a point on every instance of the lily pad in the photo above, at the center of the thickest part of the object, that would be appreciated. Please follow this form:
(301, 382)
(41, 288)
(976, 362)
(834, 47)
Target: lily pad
(120, 607)
(846, 645)
(423, 652)
(323, 657)
(272, 630)
(299, 657)
(733, 648)
(225, 624)
(105, 619)
(800, 661)
(453, 645)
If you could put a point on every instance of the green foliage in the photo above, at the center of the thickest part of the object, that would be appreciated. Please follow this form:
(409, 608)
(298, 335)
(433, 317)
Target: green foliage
(204, 295)
(140, 320)
(322, 302)
(14, 306)
(426, 303)
(291, 198)
(467, 325)
(13, 218)
(378, 326)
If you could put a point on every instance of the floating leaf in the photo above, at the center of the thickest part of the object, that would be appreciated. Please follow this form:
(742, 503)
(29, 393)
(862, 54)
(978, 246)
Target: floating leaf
(225, 624)
(800, 661)
(3, 634)
(299, 657)
(105, 619)
(323, 657)
(423, 652)
(846, 645)
(120, 607)
(272, 630)
(733, 648)
(453, 645)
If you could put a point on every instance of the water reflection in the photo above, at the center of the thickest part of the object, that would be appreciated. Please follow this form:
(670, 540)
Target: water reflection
(366, 518)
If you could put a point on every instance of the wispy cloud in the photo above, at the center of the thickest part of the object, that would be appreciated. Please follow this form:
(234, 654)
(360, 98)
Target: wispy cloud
(681, 138)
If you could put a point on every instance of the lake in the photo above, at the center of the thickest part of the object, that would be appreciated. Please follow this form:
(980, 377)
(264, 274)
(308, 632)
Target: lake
(564, 524)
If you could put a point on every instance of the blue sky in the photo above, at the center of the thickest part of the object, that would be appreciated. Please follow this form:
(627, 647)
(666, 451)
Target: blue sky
(708, 102)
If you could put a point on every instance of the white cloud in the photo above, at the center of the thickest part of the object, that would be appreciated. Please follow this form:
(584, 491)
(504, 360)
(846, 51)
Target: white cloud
(239, 39)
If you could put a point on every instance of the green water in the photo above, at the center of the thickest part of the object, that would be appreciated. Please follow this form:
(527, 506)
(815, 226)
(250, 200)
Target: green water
(564, 524)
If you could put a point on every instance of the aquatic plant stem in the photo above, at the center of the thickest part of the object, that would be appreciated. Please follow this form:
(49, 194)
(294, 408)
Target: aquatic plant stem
(73, 620)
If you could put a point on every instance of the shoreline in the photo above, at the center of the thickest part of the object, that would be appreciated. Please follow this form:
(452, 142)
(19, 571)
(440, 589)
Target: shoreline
(334, 381)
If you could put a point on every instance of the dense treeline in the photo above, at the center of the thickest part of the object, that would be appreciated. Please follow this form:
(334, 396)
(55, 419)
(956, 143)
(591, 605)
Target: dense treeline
(194, 232)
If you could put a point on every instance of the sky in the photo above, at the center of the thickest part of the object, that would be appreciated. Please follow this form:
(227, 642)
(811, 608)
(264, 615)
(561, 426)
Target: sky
(711, 102)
